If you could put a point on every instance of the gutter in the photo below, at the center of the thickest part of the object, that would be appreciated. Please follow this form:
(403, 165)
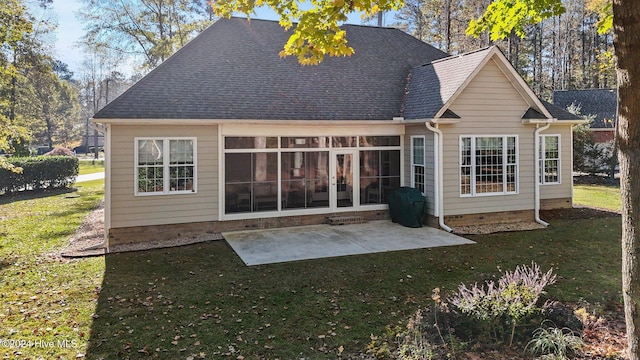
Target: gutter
(440, 178)
(536, 192)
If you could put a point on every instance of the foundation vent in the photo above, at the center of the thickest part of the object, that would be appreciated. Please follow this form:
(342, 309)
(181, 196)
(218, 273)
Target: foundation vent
(345, 220)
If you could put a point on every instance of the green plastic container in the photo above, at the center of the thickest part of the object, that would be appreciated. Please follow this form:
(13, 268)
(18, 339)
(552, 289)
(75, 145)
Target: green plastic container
(406, 206)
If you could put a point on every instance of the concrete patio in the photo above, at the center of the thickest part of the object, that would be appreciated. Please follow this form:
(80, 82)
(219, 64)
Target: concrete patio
(268, 246)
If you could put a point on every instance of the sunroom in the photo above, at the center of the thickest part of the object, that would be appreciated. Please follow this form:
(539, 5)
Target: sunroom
(282, 175)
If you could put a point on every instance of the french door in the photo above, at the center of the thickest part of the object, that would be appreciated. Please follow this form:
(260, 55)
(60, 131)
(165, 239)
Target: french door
(344, 182)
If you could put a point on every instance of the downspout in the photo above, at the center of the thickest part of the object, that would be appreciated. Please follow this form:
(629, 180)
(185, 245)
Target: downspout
(439, 188)
(536, 166)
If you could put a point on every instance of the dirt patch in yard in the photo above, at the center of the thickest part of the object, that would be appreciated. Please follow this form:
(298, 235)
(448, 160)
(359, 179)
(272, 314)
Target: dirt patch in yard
(576, 213)
(89, 239)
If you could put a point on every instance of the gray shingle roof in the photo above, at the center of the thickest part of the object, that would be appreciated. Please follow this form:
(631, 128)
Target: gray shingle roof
(432, 85)
(232, 71)
(560, 113)
(599, 102)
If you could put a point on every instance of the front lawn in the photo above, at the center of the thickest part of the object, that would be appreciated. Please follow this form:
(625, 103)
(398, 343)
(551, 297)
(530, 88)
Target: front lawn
(90, 167)
(600, 196)
(200, 301)
(47, 302)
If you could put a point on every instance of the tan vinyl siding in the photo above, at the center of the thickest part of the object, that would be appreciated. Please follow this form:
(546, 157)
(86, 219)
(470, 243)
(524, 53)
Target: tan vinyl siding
(129, 210)
(429, 163)
(562, 190)
(488, 106)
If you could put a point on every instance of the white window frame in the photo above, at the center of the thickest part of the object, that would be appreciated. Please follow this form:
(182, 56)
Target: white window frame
(543, 160)
(166, 164)
(473, 192)
(279, 133)
(423, 165)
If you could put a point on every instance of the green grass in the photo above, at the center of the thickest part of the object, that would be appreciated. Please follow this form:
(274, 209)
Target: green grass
(179, 302)
(598, 196)
(44, 299)
(200, 300)
(91, 167)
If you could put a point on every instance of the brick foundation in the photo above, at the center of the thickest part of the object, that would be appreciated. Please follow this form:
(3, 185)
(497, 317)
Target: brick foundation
(504, 217)
(140, 234)
(550, 204)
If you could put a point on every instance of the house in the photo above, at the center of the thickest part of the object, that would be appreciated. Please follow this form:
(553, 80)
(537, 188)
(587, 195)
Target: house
(600, 103)
(227, 135)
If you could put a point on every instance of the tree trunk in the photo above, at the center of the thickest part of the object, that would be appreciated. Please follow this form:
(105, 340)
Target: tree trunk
(627, 45)
(447, 24)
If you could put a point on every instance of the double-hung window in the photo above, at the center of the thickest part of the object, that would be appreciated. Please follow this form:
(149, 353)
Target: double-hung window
(549, 159)
(488, 165)
(418, 163)
(165, 166)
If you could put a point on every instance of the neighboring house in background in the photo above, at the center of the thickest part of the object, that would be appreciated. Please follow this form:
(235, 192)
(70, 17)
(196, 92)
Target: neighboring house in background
(601, 103)
(227, 135)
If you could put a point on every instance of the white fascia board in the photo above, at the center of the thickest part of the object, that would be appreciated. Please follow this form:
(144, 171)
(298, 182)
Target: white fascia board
(242, 121)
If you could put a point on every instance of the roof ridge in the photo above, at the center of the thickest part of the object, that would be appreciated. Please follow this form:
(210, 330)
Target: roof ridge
(458, 56)
(295, 23)
(158, 68)
(590, 89)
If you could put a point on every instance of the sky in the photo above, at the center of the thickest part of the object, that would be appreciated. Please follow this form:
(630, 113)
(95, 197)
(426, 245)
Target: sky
(70, 30)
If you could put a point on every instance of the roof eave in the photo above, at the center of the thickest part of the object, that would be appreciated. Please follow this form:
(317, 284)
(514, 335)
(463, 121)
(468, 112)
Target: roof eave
(159, 122)
(434, 121)
(539, 121)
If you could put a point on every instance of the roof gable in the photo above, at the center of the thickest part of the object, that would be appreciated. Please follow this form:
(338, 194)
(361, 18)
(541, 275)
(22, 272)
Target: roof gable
(435, 86)
(232, 70)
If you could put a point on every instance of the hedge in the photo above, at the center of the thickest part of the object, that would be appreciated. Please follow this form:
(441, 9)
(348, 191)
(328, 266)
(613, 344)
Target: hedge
(39, 172)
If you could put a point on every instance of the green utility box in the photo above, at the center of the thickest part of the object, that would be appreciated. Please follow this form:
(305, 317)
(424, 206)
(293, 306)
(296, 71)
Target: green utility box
(406, 206)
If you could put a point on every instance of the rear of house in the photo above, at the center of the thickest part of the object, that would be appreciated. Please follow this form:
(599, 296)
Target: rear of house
(226, 135)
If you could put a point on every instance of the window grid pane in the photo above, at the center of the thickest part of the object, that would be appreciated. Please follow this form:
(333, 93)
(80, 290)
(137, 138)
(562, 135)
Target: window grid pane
(181, 170)
(418, 178)
(549, 159)
(379, 175)
(489, 165)
(465, 166)
(305, 179)
(493, 167)
(150, 166)
(512, 167)
(165, 165)
(418, 151)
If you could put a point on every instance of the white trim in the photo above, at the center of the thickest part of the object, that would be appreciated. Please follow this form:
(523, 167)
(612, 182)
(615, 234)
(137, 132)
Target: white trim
(244, 122)
(439, 191)
(512, 76)
(436, 179)
(221, 189)
(571, 163)
(536, 173)
(107, 185)
(279, 132)
(166, 165)
(542, 160)
(312, 128)
(355, 178)
(472, 180)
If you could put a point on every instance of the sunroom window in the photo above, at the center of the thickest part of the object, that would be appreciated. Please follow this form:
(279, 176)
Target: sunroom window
(294, 173)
